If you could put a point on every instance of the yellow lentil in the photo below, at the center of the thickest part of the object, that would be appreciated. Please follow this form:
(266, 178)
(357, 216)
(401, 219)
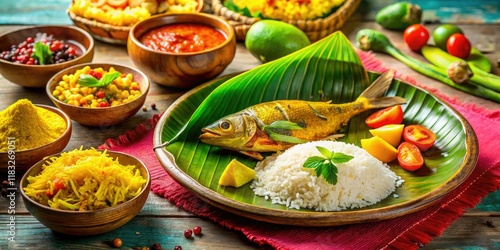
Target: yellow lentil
(31, 126)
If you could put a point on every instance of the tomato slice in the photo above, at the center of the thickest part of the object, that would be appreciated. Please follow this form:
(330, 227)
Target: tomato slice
(389, 115)
(419, 135)
(58, 185)
(409, 156)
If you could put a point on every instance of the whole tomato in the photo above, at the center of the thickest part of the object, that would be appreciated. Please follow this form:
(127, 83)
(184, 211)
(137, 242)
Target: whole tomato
(458, 45)
(416, 36)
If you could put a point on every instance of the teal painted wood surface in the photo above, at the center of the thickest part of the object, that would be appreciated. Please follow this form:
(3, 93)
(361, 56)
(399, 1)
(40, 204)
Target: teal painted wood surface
(444, 11)
(34, 12)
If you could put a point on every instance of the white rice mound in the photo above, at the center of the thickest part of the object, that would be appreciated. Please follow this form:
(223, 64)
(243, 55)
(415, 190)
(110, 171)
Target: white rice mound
(361, 182)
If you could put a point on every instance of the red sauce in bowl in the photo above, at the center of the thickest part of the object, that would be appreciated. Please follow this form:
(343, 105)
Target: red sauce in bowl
(183, 38)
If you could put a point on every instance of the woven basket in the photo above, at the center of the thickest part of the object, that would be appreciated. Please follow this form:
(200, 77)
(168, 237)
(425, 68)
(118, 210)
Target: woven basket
(108, 33)
(314, 29)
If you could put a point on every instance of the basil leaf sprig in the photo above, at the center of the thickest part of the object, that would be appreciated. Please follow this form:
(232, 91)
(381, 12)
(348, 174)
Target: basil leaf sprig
(90, 81)
(325, 166)
(42, 53)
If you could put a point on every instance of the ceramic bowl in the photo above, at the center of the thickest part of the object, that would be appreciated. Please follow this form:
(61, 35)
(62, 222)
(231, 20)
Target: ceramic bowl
(24, 159)
(37, 76)
(108, 33)
(181, 70)
(82, 223)
(102, 116)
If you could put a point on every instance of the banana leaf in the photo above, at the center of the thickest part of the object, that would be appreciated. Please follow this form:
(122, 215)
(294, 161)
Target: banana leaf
(326, 70)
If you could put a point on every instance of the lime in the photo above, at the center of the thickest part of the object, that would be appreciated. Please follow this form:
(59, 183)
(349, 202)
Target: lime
(268, 40)
(443, 32)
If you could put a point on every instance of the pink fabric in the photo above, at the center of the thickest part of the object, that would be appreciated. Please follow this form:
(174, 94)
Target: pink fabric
(406, 232)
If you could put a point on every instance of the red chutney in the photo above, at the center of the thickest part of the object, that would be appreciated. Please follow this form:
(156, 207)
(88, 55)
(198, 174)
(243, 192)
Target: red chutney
(183, 38)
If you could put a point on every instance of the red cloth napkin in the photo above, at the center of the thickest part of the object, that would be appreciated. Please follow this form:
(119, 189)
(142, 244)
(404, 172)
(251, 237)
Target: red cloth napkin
(406, 232)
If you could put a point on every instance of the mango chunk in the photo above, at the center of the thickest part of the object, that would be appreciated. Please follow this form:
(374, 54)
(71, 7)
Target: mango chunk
(390, 133)
(236, 174)
(379, 149)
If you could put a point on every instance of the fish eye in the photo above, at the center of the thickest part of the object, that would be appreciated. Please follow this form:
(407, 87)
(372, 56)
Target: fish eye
(225, 125)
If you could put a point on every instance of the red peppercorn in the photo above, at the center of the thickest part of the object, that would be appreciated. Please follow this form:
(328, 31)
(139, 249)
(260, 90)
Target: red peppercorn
(156, 246)
(197, 230)
(117, 242)
(177, 248)
(188, 233)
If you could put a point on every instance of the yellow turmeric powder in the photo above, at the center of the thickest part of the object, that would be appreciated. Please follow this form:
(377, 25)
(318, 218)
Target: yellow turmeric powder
(30, 126)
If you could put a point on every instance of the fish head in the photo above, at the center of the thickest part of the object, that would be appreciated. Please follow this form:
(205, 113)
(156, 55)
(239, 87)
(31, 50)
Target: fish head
(231, 132)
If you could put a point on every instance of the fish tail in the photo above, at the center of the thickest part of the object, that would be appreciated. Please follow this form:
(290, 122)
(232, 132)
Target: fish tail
(374, 93)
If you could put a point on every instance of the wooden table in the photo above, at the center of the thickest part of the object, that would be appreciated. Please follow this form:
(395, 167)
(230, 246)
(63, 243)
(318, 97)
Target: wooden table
(159, 221)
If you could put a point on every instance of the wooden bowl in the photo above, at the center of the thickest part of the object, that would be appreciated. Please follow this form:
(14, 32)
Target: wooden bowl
(106, 32)
(84, 223)
(181, 70)
(105, 116)
(24, 159)
(37, 76)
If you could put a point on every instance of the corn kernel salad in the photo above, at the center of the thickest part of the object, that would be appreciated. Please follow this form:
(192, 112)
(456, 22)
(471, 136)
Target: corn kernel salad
(122, 89)
(83, 180)
(285, 9)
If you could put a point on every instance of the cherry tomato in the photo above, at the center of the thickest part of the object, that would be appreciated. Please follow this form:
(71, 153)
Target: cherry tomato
(419, 135)
(100, 94)
(409, 156)
(95, 74)
(458, 45)
(416, 36)
(389, 115)
(103, 104)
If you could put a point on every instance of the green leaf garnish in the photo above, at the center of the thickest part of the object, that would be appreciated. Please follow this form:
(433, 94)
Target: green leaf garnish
(90, 81)
(42, 53)
(325, 166)
(285, 138)
(283, 125)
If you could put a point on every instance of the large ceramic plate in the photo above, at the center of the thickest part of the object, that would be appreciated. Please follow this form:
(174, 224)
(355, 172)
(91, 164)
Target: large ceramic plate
(448, 164)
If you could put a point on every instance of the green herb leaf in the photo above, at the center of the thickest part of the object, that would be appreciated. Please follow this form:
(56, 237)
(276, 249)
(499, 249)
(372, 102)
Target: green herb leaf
(324, 151)
(42, 53)
(283, 124)
(90, 81)
(325, 166)
(284, 138)
(341, 158)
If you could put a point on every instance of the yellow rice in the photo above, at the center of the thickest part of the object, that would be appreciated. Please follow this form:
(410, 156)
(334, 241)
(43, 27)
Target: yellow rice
(92, 180)
(290, 9)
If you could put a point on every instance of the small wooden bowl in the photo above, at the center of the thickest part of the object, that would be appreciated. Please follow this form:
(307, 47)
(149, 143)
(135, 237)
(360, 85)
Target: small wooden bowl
(37, 76)
(106, 32)
(24, 159)
(105, 116)
(88, 222)
(181, 70)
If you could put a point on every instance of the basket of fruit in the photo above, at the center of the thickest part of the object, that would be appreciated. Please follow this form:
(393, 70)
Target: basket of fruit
(110, 20)
(316, 18)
